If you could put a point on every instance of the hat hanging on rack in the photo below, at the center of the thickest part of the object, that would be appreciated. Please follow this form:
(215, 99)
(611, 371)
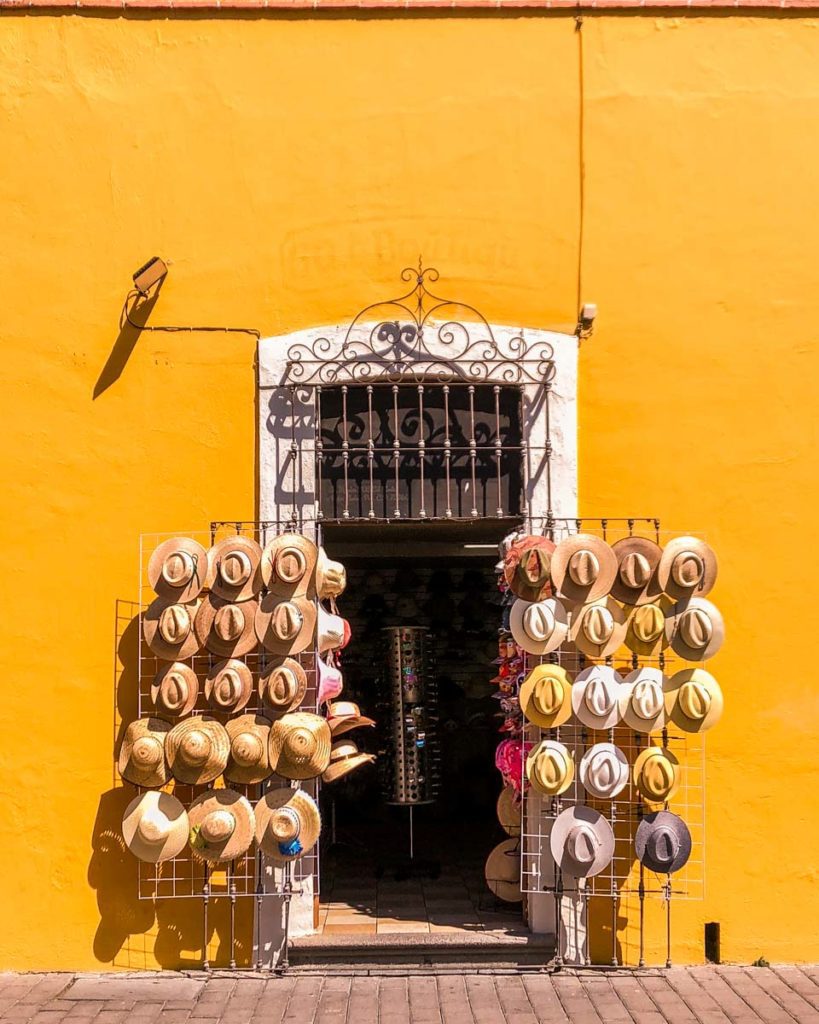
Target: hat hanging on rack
(596, 697)
(228, 686)
(550, 768)
(288, 824)
(286, 627)
(331, 577)
(175, 689)
(636, 581)
(142, 754)
(283, 685)
(332, 630)
(581, 841)
(604, 771)
(169, 629)
(656, 774)
(508, 809)
(662, 842)
(178, 569)
(345, 757)
(226, 628)
(330, 681)
(696, 631)
(583, 568)
(645, 627)
(289, 566)
(688, 568)
(249, 758)
(598, 629)
(643, 700)
(502, 871)
(197, 750)
(222, 825)
(546, 696)
(343, 716)
(539, 627)
(155, 827)
(299, 745)
(235, 568)
(527, 568)
(693, 700)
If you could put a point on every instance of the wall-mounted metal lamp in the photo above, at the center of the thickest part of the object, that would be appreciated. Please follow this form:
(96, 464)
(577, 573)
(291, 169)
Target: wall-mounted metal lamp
(585, 321)
(152, 273)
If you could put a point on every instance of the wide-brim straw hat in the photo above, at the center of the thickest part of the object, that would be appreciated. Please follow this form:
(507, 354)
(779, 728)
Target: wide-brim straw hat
(642, 700)
(288, 824)
(343, 716)
(222, 825)
(636, 581)
(345, 757)
(249, 758)
(688, 568)
(333, 631)
(197, 749)
(286, 626)
(169, 629)
(662, 842)
(289, 566)
(598, 629)
(508, 810)
(696, 631)
(228, 686)
(283, 685)
(175, 689)
(155, 827)
(227, 628)
(581, 841)
(527, 568)
(656, 774)
(502, 871)
(546, 696)
(694, 700)
(234, 568)
(604, 771)
(539, 627)
(178, 570)
(143, 752)
(331, 577)
(596, 696)
(583, 568)
(645, 627)
(550, 768)
(299, 745)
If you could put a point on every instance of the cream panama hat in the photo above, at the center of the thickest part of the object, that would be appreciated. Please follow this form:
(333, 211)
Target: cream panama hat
(175, 690)
(508, 811)
(656, 774)
(546, 696)
(178, 569)
(344, 716)
(527, 568)
(596, 697)
(299, 745)
(581, 841)
(228, 686)
(688, 568)
(583, 568)
(539, 627)
(604, 771)
(222, 825)
(286, 627)
(333, 631)
(502, 871)
(227, 628)
(550, 768)
(331, 577)
(694, 700)
(662, 842)
(155, 827)
(235, 568)
(288, 824)
(142, 755)
(696, 631)
(168, 629)
(645, 627)
(642, 700)
(283, 685)
(636, 581)
(289, 566)
(345, 757)
(249, 758)
(598, 629)
(197, 749)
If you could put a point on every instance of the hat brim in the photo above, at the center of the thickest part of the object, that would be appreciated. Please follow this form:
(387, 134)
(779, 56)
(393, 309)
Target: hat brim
(175, 841)
(527, 689)
(676, 547)
(246, 678)
(207, 636)
(193, 690)
(564, 822)
(192, 589)
(502, 864)
(238, 842)
(282, 764)
(615, 641)
(629, 716)
(157, 776)
(613, 682)
(254, 773)
(651, 590)
(252, 585)
(675, 712)
(154, 639)
(680, 647)
(586, 782)
(338, 769)
(528, 643)
(346, 723)
(301, 641)
(281, 590)
(309, 821)
(198, 775)
(301, 686)
(654, 821)
(562, 582)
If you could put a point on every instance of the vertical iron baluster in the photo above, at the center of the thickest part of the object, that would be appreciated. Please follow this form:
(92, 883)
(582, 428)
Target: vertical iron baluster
(259, 901)
(396, 447)
(498, 450)
(473, 454)
(294, 450)
(370, 448)
(447, 452)
(319, 455)
(526, 511)
(345, 454)
(547, 387)
(422, 512)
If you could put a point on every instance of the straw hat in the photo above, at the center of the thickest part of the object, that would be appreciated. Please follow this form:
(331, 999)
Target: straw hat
(222, 825)
(177, 570)
(175, 689)
(234, 568)
(283, 685)
(598, 629)
(299, 745)
(508, 811)
(637, 560)
(546, 696)
(333, 631)
(539, 627)
(642, 700)
(168, 629)
(527, 568)
(331, 577)
(502, 871)
(657, 774)
(142, 755)
(344, 715)
(226, 628)
(596, 696)
(696, 631)
(286, 627)
(694, 700)
(645, 627)
(662, 842)
(155, 826)
(550, 768)
(688, 568)
(289, 566)
(604, 771)
(583, 568)
(288, 824)
(330, 682)
(197, 749)
(249, 758)
(581, 841)
(345, 757)
(228, 686)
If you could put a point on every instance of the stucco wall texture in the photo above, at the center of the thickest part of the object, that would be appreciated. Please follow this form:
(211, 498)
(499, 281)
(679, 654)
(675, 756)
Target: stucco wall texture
(289, 167)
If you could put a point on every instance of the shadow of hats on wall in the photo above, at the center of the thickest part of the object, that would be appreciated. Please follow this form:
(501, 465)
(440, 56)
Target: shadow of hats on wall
(127, 642)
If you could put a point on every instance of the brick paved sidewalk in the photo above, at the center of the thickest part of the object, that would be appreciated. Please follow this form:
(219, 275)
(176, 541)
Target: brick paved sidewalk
(682, 995)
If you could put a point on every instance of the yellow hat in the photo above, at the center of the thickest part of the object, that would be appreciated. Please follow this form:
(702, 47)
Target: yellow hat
(696, 631)
(550, 768)
(656, 774)
(598, 629)
(694, 700)
(546, 696)
(645, 627)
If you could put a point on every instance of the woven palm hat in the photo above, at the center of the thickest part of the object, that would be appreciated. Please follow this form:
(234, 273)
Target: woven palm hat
(508, 811)
(662, 842)
(178, 569)
(598, 629)
(169, 629)
(694, 700)
(228, 686)
(344, 716)
(222, 825)
(656, 774)
(155, 826)
(550, 768)
(289, 566)
(546, 696)
(696, 631)
(227, 628)
(249, 758)
(283, 685)
(583, 568)
(502, 871)
(688, 568)
(581, 841)
(235, 568)
(645, 627)
(604, 771)
(539, 627)
(197, 750)
(175, 689)
(142, 755)
(299, 745)
(642, 700)
(596, 696)
(636, 581)
(331, 577)
(288, 824)
(286, 627)
(527, 568)
(345, 757)
(333, 630)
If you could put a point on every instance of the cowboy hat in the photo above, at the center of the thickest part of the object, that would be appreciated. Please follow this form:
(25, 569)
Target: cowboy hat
(696, 631)
(331, 577)
(333, 631)
(286, 627)
(234, 568)
(502, 871)
(249, 758)
(155, 826)
(598, 629)
(168, 629)
(226, 628)
(222, 825)
(688, 568)
(596, 697)
(344, 758)
(283, 685)
(636, 580)
(526, 568)
(642, 700)
(288, 823)
(330, 681)
(177, 569)
(662, 842)
(546, 696)
(583, 568)
(289, 566)
(694, 700)
(142, 755)
(656, 774)
(645, 627)
(299, 745)
(539, 627)
(604, 771)
(175, 689)
(550, 768)
(581, 841)
(197, 749)
(228, 686)
(508, 811)
(344, 715)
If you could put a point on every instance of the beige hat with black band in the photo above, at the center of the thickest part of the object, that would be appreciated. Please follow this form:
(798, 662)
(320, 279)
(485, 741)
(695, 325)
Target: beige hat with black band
(288, 824)
(598, 629)
(283, 685)
(289, 566)
(169, 629)
(638, 559)
(696, 630)
(155, 827)
(345, 757)
(583, 568)
(688, 568)
(227, 628)
(286, 626)
(228, 686)
(300, 745)
(249, 759)
(235, 568)
(175, 689)
(178, 569)
(197, 750)
(142, 754)
(222, 826)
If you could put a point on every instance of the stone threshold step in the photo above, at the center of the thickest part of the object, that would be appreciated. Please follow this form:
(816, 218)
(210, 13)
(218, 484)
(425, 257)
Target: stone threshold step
(433, 941)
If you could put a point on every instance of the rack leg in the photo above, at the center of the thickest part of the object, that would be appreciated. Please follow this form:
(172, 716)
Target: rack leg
(259, 891)
(642, 892)
(668, 922)
(558, 918)
(232, 891)
(586, 937)
(205, 902)
(614, 961)
(287, 889)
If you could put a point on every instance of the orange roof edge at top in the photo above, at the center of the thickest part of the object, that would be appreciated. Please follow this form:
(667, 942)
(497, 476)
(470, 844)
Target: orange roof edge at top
(373, 6)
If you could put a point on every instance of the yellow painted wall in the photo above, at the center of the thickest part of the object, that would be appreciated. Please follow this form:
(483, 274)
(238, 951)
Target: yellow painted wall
(289, 166)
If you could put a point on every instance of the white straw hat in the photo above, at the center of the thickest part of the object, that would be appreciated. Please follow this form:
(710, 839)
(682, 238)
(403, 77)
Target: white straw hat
(155, 826)
(642, 700)
(333, 631)
(581, 841)
(604, 771)
(222, 825)
(539, 627)
(596, 697)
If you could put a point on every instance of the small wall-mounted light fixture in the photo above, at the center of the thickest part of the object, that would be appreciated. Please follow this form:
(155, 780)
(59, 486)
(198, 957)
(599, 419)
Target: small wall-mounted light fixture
(152, 273)
(585, 321)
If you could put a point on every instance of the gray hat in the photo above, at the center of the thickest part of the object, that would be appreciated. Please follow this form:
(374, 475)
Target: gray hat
(582, 842)
(662, 842)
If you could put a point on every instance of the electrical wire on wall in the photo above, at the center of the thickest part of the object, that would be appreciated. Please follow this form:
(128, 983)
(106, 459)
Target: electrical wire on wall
(581, 155)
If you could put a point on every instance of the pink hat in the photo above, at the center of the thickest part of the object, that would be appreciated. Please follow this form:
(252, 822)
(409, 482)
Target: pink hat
(509, 760)
(330, 682)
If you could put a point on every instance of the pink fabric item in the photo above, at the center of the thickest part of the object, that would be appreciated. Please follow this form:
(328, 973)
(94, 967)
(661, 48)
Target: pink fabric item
(509, 758)
(330, 682)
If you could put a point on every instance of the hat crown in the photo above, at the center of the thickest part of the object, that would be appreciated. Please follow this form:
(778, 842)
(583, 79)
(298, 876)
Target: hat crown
(227, 689)
(648, 623)
(282, 686)
(663, 845)
(343, 709)
(647, 699)
(147, 752)
(658, 775)
(548, 695)
(582, 844)
(696, 628)
(235, 568)
(551, 768)
(247, 749)
(333, 577)
(332, 626)
(598, 697)
(173, 691)
(174, 624)
(284, 824)
(584, 567)
(687, 569)
(195, 747)
(300, 743)
(534, 567)
(153, 826)
(635, 570)
(598, 625)
(178, 568)
(539, 621)
(286, 621)
(290, 564)
(604, 770)
(694, 699)
(229, 622)
(217, 826)
(343, 749)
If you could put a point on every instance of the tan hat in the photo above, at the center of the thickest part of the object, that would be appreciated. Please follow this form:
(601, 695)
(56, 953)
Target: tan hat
(249, 760)
(596, 697)
(177, 570)
(197, 749)
(227, 628)
(539, 627)
(155, 826)
(656, 774)
(642, 700)
(696, 631)
(345, 757)
(637, 560)
(286, 627)
(222, 825)
(234, 568)
(299, 745)
(581, 842)
(283, 685)
(645, 627)
(344, 716)
(175, 689)
(527, 568)
(142, 755)
(598, 629)
(289, 566)
(332, 631)
(604, 771)
(688, 568)
(583, 568)
(694, 700)
(288, 824)
(331, 577)
(228, 686)
(508, 811)
(546, 696)
(550, 768)
(502, 871)
(168, 629)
